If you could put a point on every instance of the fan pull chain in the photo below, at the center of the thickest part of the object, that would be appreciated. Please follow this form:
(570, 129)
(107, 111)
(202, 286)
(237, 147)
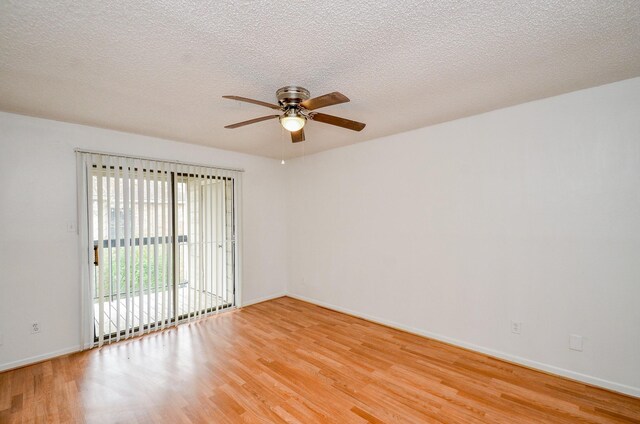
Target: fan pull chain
(282, 162)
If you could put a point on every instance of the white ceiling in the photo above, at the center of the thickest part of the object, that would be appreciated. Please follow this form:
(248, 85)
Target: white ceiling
(161, 67)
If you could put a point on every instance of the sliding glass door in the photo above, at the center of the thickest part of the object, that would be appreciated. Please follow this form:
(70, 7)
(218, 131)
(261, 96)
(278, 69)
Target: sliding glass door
(163, 239)
(205, 269)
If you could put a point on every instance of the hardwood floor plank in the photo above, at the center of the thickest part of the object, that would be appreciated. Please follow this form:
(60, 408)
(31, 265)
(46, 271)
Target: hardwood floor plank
(287, 361)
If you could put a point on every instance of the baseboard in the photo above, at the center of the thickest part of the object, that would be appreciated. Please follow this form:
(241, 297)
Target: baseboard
(46, 356)
(39, 358)
(262, 299)
(572, 375)
(550, 369)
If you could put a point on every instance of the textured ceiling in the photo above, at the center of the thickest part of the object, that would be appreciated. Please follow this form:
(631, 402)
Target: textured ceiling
(159, 67)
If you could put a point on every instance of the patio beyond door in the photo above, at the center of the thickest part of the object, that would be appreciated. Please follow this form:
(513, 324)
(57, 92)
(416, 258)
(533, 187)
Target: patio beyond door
(163, 238)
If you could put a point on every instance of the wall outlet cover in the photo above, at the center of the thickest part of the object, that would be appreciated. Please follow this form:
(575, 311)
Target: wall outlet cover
(516, 327)
(575, 342)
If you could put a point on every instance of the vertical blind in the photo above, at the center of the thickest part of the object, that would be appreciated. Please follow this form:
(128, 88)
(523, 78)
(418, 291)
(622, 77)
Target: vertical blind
(159, 243)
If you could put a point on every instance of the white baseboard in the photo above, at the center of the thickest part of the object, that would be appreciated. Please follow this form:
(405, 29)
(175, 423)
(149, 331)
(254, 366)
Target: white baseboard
(262, 299)
(594, 381)
(39, 358)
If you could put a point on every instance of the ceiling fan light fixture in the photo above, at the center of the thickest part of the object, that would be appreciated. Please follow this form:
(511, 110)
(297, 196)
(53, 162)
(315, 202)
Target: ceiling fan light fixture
(292, 121)
(298, 107)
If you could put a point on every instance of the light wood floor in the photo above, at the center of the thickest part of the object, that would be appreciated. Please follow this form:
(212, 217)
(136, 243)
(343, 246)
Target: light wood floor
(289, 361)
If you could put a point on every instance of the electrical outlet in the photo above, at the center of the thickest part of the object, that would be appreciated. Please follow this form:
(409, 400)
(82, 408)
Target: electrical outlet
(575, 342)
(35, 327)
(71, 227)
(516, 327)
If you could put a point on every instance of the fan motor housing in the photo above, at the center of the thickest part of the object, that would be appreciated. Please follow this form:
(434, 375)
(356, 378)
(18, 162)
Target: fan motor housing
(292, 95)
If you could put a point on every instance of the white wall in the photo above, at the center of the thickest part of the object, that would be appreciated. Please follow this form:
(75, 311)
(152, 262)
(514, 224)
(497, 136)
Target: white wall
(39, 277)
(530, 213)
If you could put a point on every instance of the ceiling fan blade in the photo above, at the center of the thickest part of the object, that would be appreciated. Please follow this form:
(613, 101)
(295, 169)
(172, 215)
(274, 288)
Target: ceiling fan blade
(337, 121)
(252, 121)
(297, 136)
(255, 102)
(334, 98)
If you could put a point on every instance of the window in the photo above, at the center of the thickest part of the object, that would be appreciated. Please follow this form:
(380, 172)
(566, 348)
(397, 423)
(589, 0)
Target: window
(163, 240)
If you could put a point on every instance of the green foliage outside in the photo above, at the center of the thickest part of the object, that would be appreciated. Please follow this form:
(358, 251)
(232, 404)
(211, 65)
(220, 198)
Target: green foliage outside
(145, 268)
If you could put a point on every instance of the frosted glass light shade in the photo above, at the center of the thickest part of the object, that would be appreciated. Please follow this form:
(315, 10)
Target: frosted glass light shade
(292, 123)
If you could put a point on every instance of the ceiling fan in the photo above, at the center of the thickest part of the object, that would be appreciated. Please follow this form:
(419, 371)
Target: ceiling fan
(298, 107)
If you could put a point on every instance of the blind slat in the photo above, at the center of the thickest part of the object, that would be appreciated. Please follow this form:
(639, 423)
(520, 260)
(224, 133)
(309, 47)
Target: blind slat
(98, 251)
